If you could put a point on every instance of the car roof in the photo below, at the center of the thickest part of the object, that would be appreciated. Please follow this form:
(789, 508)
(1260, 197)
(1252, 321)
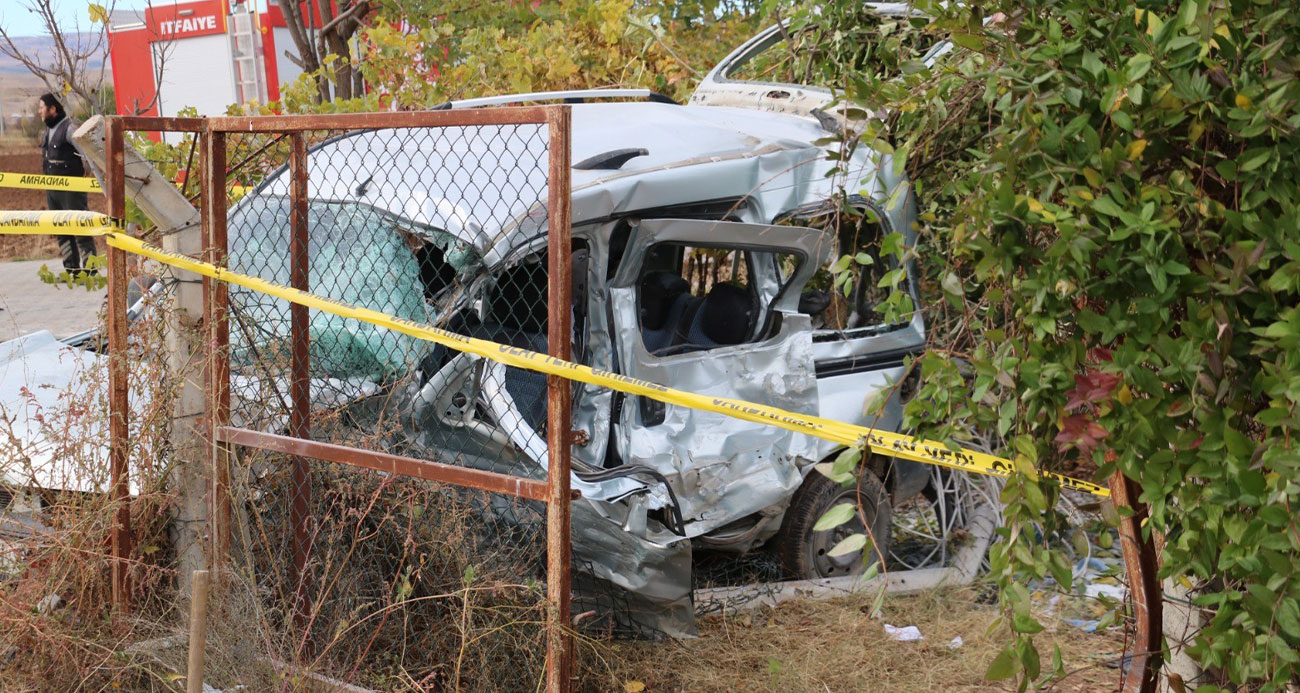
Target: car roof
(488, 188)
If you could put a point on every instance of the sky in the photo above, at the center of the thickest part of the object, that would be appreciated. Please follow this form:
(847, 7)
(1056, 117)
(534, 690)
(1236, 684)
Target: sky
(18, 21)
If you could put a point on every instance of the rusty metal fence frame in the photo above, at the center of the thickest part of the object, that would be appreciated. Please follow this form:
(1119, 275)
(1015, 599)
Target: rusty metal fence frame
(211, 134)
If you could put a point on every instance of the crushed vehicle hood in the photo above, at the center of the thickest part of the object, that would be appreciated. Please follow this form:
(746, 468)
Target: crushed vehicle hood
(52, 440)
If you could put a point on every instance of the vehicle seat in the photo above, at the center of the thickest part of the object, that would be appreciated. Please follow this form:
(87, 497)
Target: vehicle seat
(664, 297)
(725, 317)
(527, 388)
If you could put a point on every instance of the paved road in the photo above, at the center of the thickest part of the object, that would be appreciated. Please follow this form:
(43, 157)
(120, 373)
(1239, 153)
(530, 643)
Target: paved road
(28, 305)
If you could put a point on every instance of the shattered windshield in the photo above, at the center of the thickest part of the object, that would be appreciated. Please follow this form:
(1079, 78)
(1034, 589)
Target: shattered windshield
(358, 255)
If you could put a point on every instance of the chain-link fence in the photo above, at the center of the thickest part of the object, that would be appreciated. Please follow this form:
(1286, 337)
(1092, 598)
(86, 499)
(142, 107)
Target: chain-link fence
(345, 542)
(369, 575)
(384, 498)
(387, 574)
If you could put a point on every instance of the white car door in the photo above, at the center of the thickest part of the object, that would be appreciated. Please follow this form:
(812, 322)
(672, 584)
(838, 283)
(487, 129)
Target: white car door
(712, 307)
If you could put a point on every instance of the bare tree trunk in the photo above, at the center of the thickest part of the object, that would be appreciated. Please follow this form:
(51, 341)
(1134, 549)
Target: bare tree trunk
(330, 38)
(310, 60)
(329, 43)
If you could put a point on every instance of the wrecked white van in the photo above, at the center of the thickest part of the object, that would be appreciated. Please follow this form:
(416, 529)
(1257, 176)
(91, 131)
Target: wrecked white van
(657, 188)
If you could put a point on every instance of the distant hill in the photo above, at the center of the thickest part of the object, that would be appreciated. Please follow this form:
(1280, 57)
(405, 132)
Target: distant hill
(43, 47)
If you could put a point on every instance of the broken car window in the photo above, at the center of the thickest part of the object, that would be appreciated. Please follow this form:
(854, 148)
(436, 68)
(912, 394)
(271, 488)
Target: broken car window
(357, 254)
(695, 299)
(844, 295)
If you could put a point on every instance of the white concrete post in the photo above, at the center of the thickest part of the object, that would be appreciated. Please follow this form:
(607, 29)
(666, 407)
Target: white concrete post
(179, 225)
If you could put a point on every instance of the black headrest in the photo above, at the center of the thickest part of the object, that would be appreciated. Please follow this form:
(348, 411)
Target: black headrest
(658, 289)
(727, 314)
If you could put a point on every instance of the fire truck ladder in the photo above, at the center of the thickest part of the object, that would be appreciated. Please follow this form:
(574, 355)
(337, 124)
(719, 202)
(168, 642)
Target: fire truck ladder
(245, 51)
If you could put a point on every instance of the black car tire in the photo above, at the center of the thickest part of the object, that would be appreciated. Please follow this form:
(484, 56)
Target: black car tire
(803, 550)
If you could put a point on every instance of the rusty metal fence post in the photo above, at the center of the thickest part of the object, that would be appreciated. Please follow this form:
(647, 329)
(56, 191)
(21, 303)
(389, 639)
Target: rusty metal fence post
(559, 425)
(118, 398)
(216, 299)
(1140, 565)
(299, 384)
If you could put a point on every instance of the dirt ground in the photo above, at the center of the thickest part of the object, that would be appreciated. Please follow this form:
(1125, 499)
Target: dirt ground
(18, 155)
(834, 645)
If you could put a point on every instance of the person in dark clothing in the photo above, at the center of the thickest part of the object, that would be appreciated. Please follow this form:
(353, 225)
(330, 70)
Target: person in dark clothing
(60, 158)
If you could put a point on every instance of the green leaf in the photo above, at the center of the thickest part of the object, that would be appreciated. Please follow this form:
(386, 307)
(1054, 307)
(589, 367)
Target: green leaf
(1092, 322)
(1255, 158)
(847, 461)
(1029, 659)
(1107, 206)
(1024, 623)
(892, 278)
(967, 40)
(1003, 666)
(877, 603)
(1279, 330)
(951, 284)
(1288, 617)
(835, 517)
(1275, 515)
(848, 545)
(827, 469)
(1138, 66)
(1092, 64)
(1061, 570)
(1123, 120)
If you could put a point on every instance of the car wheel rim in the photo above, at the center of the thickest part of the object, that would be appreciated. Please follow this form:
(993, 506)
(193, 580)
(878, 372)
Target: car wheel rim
(821, 543)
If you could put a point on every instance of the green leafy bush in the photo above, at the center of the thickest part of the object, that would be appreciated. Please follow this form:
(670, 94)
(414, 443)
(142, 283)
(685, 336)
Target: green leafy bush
(1110, 261)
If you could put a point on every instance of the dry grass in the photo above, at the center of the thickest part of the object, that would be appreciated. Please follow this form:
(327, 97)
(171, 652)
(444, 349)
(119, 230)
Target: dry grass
(834, 646)
(57, 628)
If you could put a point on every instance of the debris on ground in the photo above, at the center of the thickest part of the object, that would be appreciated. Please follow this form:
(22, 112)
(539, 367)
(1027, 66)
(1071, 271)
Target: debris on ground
(904, 634)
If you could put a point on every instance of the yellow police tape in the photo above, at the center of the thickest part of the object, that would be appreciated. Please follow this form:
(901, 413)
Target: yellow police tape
(38, 181)
(70, 223)
(881, 442)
